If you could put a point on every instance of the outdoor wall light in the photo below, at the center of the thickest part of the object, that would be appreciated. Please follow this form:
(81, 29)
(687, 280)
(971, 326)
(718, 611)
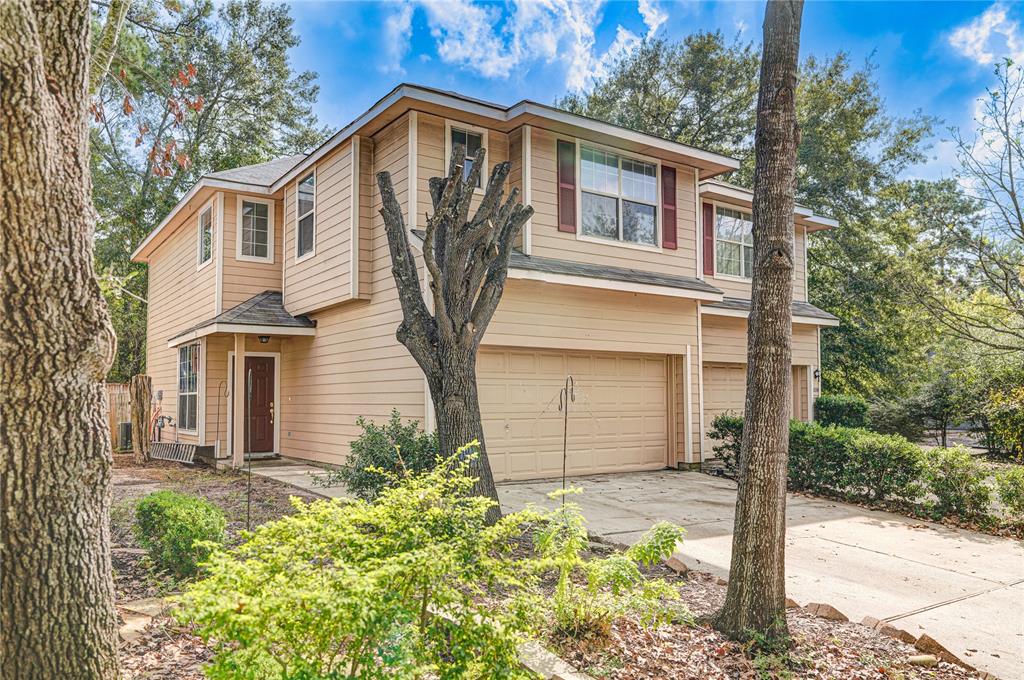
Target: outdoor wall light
(817, 373)
(264, 339)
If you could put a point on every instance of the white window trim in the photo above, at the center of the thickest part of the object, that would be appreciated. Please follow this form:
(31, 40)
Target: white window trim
(715, 205)
(269, 259)
(198, 392)
(312, 251)
(209, 205)
(448, 125)
(658, 215)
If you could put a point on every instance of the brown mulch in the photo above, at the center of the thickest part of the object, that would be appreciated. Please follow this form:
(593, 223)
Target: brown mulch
(164, 650)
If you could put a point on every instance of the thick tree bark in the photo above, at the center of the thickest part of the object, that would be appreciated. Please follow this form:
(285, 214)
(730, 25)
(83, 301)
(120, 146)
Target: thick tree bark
(756, 598)
(141, 393)
(466, 261)
(57, 617)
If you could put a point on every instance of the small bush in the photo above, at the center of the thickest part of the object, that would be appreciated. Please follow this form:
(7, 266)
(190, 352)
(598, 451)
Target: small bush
(728, 429)
(904, 417)
(169, 525)
(395, 447)
(1005, 412)
(957, 481)
(841, 409)
(818, 457)
(1010, 485)
(401, 587)
(882, 467)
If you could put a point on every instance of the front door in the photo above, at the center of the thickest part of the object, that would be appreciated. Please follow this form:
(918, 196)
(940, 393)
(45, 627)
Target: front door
(259, 411)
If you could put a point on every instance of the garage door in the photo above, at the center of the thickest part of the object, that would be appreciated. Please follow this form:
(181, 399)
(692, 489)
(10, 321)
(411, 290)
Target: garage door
(617, 423)
(725, 388)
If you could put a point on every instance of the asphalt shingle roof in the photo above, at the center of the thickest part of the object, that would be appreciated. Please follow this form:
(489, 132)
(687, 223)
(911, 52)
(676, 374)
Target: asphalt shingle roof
(262, 174)
(799, 308)
(265, 309)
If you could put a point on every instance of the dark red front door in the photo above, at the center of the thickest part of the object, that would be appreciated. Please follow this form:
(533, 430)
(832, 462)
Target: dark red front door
(259, 421)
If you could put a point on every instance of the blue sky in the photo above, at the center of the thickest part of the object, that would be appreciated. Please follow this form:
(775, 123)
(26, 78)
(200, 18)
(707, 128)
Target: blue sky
(932, 56)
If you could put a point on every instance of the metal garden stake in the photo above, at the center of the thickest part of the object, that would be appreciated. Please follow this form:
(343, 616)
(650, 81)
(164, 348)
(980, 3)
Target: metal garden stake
(567, 396)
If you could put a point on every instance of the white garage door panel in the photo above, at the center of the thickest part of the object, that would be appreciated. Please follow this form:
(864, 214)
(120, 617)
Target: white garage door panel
(618, 421)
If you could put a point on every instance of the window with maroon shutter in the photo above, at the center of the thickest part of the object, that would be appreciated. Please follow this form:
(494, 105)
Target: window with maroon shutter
(709, 239)
(668, 208)
(566, 187)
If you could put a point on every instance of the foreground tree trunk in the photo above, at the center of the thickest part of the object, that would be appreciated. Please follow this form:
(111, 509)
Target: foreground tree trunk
(466, 261)
(756, 599)
(57, 617)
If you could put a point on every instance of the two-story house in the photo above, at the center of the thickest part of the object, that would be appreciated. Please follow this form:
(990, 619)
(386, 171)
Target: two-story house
(633, 277)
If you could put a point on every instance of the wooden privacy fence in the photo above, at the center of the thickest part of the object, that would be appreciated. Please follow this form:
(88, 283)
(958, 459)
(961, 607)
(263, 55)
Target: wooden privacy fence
(119, 415)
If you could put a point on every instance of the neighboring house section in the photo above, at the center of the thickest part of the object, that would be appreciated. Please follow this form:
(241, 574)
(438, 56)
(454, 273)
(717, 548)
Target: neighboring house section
(632, 277)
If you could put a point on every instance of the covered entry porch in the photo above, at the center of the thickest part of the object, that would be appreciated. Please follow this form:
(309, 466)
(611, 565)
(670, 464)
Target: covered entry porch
(239, 403)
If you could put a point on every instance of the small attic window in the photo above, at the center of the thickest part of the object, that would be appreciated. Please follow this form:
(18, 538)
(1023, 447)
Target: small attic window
(305, 231)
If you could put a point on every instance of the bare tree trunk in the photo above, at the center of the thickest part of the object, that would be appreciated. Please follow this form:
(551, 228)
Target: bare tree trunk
(467, 261)
(57, 617)
(141, 393)
(756, 598)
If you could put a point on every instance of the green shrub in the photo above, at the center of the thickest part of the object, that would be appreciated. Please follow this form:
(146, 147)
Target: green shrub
(957, 481)
(1010, 485)
(613, 586)
(818, 456)
(904, 417)
(178, 531)
(882, 467)
(1005, 412)
(399, 587)
(841, 409)
(728, 429)
(394, 447)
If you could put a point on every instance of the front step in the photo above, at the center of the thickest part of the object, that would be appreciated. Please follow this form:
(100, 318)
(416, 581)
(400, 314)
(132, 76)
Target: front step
(269, 455)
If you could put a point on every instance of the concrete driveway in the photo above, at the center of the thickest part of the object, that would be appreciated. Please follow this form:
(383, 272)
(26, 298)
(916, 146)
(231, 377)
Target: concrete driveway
(963, 588)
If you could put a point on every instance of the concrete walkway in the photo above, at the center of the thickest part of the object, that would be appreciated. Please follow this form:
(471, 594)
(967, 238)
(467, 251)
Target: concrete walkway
(963, 588)
(298, 474)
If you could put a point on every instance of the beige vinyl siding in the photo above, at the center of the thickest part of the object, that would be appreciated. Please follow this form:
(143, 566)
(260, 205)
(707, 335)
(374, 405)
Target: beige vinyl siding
(323, 278)
(549, 242)
(617, 423)
(179, 297)
(725, 392)
(367, 213)
(725, 340)
(243, 279)
(515, 175)
(353, 366)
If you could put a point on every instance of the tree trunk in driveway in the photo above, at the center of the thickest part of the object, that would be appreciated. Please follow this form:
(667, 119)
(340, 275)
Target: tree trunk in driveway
(467, 261)
(755, 603)
(57, 617)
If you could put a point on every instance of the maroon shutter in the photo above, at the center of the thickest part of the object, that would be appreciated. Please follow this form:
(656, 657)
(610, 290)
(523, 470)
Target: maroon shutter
(566, 187)
(709, 239)
(668, 208)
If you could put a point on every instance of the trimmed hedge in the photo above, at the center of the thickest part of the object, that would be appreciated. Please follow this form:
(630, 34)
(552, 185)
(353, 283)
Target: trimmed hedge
(857, 464)
(841, 409)
(168, 525)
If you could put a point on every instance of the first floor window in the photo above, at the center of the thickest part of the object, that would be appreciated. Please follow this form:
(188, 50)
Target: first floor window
(471, 141)
(188, 387)
(619, 197)
(205, 236)
(305, 231)
(255, 229)
(734, 243)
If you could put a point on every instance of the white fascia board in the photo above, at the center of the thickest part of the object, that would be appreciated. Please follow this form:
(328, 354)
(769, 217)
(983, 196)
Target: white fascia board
(743, 314)
(250, 329)
(205, 182)
(606, 284)
(739, 194)
(821, 221)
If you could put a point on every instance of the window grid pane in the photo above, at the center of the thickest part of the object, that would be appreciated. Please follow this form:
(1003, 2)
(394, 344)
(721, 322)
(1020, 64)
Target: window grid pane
(638, 223)
(632, 217)
(188, 387)
(255, 229)
(600, 216)
(205, 236)
(734, 237)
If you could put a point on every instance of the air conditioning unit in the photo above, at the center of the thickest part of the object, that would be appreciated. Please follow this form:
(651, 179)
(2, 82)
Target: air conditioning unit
(124, 435)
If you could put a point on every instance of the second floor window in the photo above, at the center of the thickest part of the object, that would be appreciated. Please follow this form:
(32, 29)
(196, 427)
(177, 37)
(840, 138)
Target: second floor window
(255, 229)
(305, 231)
(619, 197)
(188, 388)
(205, 236)
(472, 141)
(734, 243)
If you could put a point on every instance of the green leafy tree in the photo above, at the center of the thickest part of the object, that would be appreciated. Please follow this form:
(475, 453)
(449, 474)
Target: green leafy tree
(190, 89)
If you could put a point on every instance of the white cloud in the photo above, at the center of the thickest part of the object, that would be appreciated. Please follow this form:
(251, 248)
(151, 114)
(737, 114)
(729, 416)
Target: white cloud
(397, 33)
(495, 43)
(990, 37)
